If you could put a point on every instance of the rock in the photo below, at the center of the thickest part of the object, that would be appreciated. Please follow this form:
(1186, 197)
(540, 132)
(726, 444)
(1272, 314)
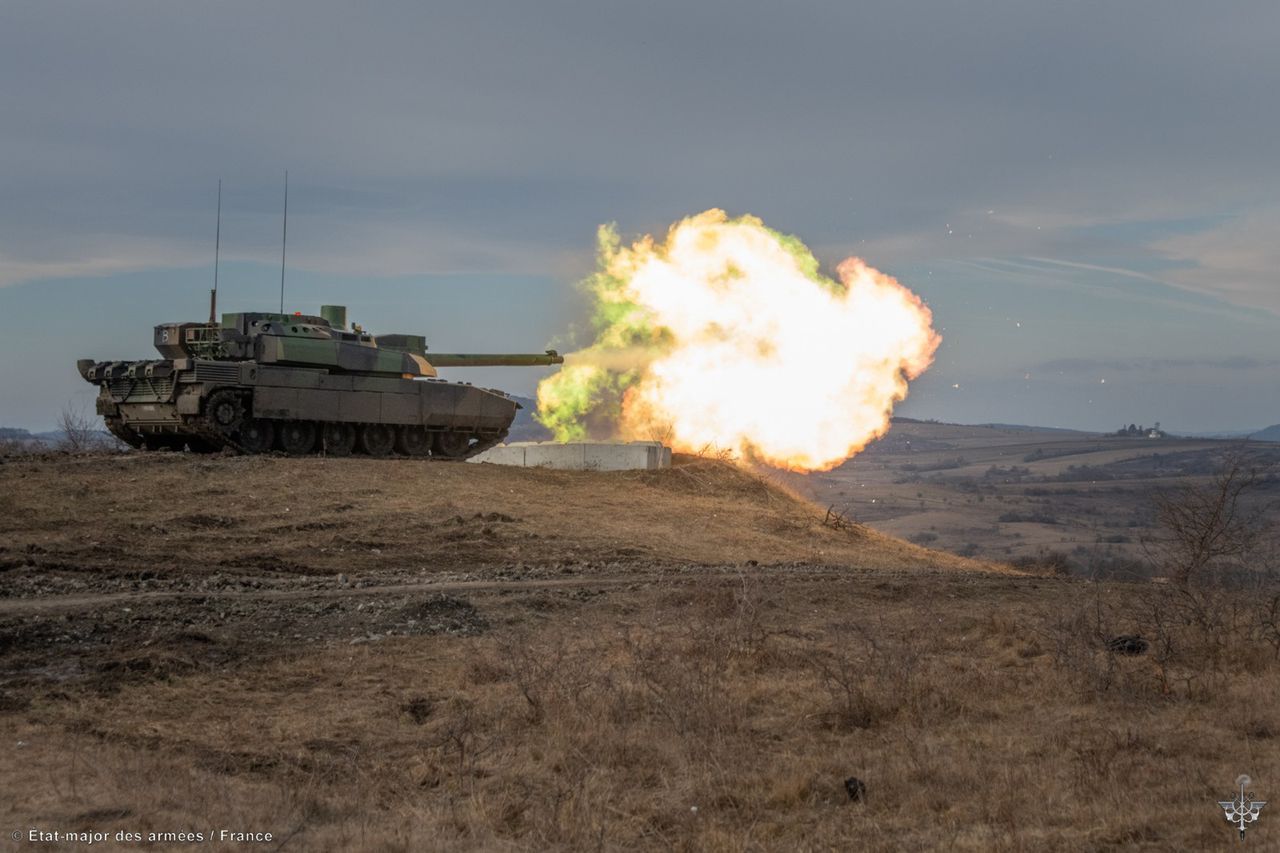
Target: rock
(419, 709)
(1128, 644)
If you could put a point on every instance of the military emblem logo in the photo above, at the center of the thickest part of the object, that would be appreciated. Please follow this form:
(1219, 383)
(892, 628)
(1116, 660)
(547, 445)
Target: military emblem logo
(1243, 809)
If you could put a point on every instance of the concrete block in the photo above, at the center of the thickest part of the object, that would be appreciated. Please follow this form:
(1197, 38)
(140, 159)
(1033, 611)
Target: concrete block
(622, 457)
(502, 454)
(549, 454)
(580, 455)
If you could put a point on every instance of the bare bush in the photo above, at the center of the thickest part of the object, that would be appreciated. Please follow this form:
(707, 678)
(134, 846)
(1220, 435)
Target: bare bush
(1192, 633)
(689, 688)
(1211, 530)
(837, 519)
(1161, 640)
(1045, 561)
(12, 447)
(550, 672)
(1217, 550)
(868, 679)
(1267, 620)
(1077, 633)
(79, 430)
(461, 735)
(687, 672)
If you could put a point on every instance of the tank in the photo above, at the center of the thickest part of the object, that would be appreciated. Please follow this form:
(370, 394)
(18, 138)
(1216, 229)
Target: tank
(300, 384)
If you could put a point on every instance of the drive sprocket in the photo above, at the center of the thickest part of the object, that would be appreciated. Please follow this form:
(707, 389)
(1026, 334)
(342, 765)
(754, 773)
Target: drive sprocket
(225, 410)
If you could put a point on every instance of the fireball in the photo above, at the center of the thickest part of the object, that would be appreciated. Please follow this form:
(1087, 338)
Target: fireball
(726, 337)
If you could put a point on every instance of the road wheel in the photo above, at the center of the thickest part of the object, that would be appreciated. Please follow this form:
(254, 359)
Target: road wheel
(297, 438)
(376, 439)
(452, 445)
(225, 410)
(413, 441)
(257, 435)
(338, 439)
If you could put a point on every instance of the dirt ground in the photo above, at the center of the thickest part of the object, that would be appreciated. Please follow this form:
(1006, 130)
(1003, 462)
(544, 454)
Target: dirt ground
(350, 654)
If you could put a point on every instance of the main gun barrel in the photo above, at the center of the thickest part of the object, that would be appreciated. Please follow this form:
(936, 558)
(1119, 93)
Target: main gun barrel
(488, 359)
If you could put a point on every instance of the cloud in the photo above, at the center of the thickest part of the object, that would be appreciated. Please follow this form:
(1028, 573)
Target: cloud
(1125, 365)
(101, 260)
(475, 135)
(1007, 154)
(321, 239)
(1238, 261)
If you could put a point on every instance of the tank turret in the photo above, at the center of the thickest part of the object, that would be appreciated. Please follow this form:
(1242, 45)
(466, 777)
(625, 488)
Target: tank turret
(302, 383)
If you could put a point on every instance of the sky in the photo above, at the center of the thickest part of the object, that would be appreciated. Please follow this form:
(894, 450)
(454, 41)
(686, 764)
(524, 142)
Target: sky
(1085, 194)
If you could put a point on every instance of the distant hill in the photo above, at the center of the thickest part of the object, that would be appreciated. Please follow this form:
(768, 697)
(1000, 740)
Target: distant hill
(525, 428)
(1271, 433)
(51, 438)
(898, 419)
(1219, 434)
(14, 436)
(1029, 428)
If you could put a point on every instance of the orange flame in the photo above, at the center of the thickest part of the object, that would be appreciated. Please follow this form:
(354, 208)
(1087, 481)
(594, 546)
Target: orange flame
(733, 340)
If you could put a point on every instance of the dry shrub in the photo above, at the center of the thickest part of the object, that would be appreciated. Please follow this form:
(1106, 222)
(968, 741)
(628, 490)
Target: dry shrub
(682, 679)
(463, 735)
(1216, 616)
(486, 669)
(1195, 641)
(685, 673)
(596, 722)
(549, 671)
(869, 678)
(1210, 532)
(10, 448)
(1111, 754)
(1077, 633)
(1045, 562)
(1267, 619)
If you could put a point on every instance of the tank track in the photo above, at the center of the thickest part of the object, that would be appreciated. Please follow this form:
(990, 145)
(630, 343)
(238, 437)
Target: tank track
(217, 439)
(483, 445)
(117, 428)
(226, 412)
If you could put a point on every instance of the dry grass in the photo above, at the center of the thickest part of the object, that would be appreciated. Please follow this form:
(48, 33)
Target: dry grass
(709, 708)
(709, 716)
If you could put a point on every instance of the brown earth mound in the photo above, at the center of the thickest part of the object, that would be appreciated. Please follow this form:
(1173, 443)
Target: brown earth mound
(151, 518)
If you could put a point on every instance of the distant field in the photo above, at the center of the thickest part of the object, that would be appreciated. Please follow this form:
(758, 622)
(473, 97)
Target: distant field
(1002, 493)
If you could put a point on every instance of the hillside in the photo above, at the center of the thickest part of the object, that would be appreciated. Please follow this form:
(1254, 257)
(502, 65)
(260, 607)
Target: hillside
(1009, 493)
(182, 514)
(1271, 433)
(398, 656)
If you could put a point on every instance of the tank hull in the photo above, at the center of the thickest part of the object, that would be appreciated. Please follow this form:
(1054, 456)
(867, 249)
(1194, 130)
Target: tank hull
(247, 406)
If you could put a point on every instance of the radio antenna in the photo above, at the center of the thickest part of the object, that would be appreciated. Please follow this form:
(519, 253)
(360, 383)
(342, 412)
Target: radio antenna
(284, 238)
(217, 246)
